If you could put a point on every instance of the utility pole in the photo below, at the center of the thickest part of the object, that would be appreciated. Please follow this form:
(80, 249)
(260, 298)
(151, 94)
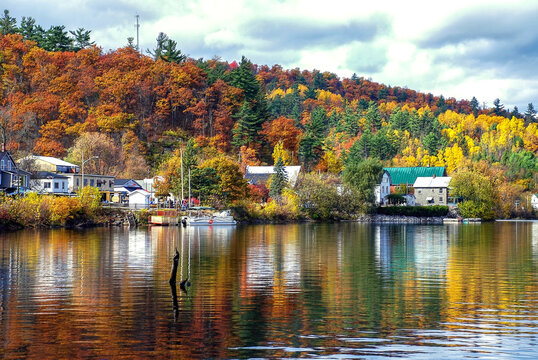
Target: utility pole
(137, 26)
(182, 196)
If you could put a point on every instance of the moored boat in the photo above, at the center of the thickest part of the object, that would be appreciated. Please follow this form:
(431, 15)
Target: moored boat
(218, 218)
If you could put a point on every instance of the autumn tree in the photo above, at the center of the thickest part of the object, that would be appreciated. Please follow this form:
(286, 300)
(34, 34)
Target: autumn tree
(477, 192)
(110, 159)
(232, 185)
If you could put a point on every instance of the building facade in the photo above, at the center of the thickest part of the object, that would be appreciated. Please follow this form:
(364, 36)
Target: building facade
(431, 190)
(45, 182)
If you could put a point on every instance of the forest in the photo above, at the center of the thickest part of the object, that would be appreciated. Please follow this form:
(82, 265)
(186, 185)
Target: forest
(142, 114)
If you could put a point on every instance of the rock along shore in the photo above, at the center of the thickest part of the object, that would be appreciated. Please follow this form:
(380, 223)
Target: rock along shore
(395, 219)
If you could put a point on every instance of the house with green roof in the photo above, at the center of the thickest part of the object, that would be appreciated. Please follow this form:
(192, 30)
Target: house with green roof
(405, 177)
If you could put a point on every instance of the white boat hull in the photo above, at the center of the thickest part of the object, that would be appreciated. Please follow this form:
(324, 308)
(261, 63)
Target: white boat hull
(207, 220)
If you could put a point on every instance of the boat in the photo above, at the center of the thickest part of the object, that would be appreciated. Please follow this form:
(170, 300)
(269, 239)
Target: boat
(452, 220)
(217, 218)
(164, 218)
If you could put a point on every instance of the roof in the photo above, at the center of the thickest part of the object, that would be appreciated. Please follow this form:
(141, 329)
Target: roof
(54, 161)
(260, 174)
(432, 182)
(126, 183)
(408, 175)
(47, 175)
(140, 191)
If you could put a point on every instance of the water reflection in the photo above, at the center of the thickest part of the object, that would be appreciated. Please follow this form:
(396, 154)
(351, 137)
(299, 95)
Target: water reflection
(310, 290)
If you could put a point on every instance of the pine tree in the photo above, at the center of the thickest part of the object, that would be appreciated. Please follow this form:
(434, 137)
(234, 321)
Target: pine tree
(498, 108)
(81, 39)
(530, 113)
(57, 39)
(243, 78)
(279, 180)
(8, 24)
(474, 105)
(373, 116)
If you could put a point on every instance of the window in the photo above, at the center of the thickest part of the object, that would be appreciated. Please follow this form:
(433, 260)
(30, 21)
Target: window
(91, 182)
(46, 185)
(63, 185)
(85, 182)
(3, 166)
(56, 185)
(440, 199)
(9, 165)
(420, 191)
(78, 183)
(440, 190)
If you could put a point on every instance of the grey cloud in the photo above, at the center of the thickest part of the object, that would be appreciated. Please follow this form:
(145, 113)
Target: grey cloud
(283, 33)
(92, 15)
(496, 24)
(366, 58)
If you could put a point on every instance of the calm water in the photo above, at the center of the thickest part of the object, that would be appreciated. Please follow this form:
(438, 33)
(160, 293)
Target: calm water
(272, 291)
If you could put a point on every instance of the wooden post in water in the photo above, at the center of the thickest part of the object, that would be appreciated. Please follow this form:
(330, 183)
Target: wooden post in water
(172, 282)
(173, 273)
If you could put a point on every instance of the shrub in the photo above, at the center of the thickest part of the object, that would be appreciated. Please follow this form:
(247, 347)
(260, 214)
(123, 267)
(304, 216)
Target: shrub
(419, 211)
(142, 216)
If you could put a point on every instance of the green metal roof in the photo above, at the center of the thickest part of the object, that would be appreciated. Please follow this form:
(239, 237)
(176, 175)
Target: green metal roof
(408, 175)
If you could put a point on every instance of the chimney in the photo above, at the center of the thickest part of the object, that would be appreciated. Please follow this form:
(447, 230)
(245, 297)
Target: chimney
(3, 147)
(434, 176)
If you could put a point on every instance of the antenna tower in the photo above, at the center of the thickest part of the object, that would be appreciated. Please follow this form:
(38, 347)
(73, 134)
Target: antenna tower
(137, 26)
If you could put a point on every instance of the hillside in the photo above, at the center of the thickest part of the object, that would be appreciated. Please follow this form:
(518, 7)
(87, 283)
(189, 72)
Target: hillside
(135, 112)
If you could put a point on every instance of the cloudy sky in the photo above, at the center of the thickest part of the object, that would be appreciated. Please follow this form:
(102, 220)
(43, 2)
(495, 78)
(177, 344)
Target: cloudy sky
(461, 49)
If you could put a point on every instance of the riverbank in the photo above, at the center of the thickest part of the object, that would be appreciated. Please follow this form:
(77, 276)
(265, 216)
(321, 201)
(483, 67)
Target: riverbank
(398, 219)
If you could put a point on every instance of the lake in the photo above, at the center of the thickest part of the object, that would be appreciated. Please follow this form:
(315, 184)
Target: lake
(322, 291)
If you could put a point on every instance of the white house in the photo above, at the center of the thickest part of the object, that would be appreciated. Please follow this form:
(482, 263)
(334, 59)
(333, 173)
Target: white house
(534, 201)
(45, 182)
(139, 199)
(382, 189)
(432, 190)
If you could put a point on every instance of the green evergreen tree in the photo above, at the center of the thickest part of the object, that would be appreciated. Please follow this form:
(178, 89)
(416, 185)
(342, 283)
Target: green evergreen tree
(244, 130)
(400, 119)
(354, 155)
(279, 180)
(351, 122)
(130, 43)
(373, 116)
(171, 54)
(8, 24)
(158, 52)
(365, 143)
(57, 39)
(498, 108)
(190, 154)
(310, 147)
(81, 39)
(474, 105)
(244, 78)
(30, 31)
(441, 105)
(530, 114)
